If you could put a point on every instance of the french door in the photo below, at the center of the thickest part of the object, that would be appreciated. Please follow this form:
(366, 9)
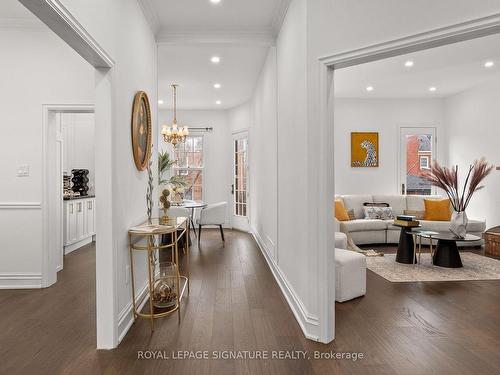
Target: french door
(417, 153)
(239, 189)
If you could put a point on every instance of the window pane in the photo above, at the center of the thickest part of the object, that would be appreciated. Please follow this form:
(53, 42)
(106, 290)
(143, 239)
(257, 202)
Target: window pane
(418, 160)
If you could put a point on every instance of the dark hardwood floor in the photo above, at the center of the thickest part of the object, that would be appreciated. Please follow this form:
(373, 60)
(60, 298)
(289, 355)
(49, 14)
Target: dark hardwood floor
(235, 304)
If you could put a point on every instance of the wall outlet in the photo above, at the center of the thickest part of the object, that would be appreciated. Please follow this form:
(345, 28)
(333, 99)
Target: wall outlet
(23, 171)
(127, 274)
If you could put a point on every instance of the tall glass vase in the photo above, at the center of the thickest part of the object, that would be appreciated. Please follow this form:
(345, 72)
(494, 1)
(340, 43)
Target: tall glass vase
(458, 223)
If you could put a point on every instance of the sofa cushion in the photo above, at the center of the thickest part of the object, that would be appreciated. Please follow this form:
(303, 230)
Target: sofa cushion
(443, 226)
(416, 202)
(363, 225)
(340, 211)
(397, 202)
(437, 210)
(355, 202)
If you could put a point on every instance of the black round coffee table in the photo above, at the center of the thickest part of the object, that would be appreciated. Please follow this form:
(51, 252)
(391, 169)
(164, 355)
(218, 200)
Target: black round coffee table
(446, 254)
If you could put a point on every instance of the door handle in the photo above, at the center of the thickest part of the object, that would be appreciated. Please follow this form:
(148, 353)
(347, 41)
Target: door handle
(403, 190)
(232, 189)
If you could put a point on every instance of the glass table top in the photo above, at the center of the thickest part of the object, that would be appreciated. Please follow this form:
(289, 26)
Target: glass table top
(159, 226)
(445, 236)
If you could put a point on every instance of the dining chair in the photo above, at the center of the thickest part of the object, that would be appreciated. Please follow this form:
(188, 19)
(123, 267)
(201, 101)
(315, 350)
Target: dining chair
(213, 214)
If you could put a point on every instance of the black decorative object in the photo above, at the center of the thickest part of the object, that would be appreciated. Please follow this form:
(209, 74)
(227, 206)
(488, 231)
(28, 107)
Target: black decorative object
(80, 181)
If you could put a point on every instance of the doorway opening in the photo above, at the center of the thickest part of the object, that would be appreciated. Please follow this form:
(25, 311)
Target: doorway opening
(69, 184)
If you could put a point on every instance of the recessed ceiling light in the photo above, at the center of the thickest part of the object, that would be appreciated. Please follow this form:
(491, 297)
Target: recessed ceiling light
(215, 59)
(160, 101)
(369, 88)
(217, 86)
(215, 1)
(218, 102)
(489, 64)
(409, 63)
(432, 88)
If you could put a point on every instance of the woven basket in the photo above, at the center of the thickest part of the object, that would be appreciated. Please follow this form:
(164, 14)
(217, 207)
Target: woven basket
(492, 241)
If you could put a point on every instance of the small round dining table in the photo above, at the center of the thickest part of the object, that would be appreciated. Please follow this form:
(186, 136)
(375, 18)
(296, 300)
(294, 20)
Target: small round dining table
(191, 205)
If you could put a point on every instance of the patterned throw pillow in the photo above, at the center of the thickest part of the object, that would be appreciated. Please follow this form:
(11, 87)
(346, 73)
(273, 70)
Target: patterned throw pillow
(383, 213)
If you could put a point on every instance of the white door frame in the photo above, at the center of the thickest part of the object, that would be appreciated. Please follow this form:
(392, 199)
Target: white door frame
(327, 65)
(242, 133)
(52, 197)
(63, 23)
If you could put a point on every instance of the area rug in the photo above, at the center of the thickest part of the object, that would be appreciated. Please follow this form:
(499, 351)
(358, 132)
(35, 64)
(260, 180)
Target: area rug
(476, 267)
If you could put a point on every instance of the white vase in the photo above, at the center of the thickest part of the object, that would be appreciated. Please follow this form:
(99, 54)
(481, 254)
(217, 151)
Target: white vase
(458, 224)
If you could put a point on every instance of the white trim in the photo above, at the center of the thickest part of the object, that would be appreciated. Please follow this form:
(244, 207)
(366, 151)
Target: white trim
(151, 15)
(309, 323)
(75, 246)
(20, 205)
(434, 38)
(197, 35)
(58, 18)
(126, 316)
(20, 280)
(279, 15)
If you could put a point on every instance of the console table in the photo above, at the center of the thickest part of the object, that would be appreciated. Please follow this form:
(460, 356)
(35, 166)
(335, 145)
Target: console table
(164, 278)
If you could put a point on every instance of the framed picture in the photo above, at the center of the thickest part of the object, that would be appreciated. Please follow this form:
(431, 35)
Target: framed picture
(364, 149)
(141, 130)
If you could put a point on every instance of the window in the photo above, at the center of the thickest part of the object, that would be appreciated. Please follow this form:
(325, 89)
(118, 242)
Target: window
(240, 177)
(424, 162)
(189, 156)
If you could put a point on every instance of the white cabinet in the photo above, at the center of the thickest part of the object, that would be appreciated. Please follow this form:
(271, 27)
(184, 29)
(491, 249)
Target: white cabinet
(79, 223)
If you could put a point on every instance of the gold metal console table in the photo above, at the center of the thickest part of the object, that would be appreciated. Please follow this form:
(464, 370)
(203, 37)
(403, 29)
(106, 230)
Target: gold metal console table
(164, 278)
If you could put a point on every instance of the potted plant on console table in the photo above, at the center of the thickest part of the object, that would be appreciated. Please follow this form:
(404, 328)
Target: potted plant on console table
(447, 179)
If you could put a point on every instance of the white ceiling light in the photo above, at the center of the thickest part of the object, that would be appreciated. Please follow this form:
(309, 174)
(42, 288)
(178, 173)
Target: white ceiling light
(160, 102)
(215, 59)
(218, 102)
(369, 88)
(409, 63)
(215, 1)
(432, 88)
(217, 86)
(489, 64)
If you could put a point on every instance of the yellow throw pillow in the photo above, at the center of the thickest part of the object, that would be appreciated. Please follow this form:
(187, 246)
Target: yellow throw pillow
(340, 211)
(437, 210)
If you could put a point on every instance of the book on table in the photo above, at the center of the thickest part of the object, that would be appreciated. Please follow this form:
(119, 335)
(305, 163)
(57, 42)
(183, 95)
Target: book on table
(406, 217)
(406, 223)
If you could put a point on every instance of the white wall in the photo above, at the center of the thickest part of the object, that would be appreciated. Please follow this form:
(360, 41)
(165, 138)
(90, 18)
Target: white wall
(259, 117)
(78, 144)
(217, 151)
(473, 131)
(384, 116)
(38, 69)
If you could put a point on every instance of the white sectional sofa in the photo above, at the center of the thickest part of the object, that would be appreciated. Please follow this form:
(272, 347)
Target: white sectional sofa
(374, 231)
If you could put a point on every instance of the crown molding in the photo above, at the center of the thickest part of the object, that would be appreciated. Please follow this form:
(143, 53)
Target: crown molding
(151, 15)
(279, 15)
(25, 24)
(255, 36)
(60, 20)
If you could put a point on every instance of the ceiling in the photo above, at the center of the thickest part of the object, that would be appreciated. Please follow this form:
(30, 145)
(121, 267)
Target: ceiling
(190, 32)
(450, 69)
(190, 67)
(235, 14)
(14, 9)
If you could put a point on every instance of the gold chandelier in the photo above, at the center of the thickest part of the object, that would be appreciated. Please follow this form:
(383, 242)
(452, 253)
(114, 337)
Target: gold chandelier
(174, 134)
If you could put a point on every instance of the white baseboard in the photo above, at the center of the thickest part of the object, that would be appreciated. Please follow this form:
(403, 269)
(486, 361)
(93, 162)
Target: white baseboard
(75, 246)
(20, 280)
(126, 316)
(308, 322)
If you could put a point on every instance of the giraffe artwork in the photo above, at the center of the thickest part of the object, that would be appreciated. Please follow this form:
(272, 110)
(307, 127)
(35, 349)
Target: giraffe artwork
(364, 149)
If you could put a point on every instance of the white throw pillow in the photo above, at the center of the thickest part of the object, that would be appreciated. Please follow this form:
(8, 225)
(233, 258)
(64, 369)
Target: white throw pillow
(382, 213)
